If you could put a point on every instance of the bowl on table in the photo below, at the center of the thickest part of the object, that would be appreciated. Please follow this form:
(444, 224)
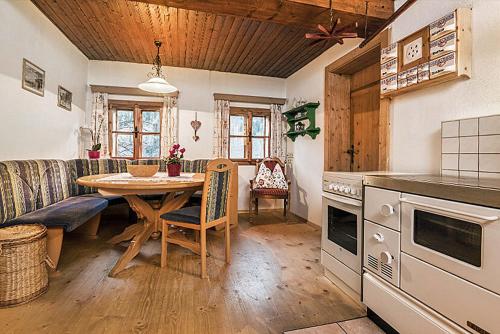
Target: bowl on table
(143, 170)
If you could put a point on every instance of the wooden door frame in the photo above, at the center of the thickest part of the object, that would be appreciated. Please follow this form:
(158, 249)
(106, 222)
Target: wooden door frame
(337, 105)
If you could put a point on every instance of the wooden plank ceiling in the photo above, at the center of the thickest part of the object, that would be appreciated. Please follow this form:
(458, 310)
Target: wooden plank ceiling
(260, 37)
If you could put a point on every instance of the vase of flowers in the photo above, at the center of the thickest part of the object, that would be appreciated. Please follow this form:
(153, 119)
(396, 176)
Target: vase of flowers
(173, 161)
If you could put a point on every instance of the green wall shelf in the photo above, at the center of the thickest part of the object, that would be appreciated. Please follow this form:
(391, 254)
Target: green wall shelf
(301, 113)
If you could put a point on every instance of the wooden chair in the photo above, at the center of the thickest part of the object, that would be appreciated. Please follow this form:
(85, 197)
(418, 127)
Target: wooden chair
(215, 210)
(256, 193)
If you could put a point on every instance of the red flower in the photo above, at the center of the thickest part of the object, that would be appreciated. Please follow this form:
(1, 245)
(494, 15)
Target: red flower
(182, 150)
(176, 146)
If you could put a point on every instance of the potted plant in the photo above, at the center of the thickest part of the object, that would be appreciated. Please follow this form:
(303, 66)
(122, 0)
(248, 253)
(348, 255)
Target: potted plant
(173, 161)
(95, 151)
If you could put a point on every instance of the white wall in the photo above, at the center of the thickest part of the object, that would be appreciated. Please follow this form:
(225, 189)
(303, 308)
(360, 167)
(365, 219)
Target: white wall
(308, 83)
(32, 126)
(417, 116)
(196, 89)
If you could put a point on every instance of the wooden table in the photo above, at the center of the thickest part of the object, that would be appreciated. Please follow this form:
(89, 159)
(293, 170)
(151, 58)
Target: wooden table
(176, 191)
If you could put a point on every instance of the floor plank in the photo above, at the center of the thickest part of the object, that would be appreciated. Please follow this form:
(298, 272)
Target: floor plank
(274, 284)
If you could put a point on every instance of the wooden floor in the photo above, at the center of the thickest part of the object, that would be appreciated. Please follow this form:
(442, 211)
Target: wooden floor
(274, 284)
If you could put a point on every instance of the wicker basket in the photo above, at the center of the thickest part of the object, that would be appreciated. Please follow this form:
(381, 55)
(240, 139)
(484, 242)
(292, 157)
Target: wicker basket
(23, 268)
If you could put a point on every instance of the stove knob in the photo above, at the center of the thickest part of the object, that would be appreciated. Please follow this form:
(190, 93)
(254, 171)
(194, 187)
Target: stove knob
(335, 187)
(330, 186)
(386, 257)
(341, 189)
(353, 191)
(347, 190)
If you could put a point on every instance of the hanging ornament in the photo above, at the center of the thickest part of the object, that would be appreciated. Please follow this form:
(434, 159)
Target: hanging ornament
(196, 124)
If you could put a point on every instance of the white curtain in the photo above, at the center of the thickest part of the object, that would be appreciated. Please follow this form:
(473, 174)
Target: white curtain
(99, 122)
(169, 124)
(221, 129)
(278, 130)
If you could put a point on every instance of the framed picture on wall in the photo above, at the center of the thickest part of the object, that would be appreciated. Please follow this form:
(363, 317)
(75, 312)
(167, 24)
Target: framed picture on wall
(64, 98)
(33, 79)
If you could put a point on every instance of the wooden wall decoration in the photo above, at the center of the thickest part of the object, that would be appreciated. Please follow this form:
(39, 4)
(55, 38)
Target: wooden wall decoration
(445, 54)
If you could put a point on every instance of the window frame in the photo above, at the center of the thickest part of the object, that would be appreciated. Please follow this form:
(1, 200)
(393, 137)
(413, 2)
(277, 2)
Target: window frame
(138, 107)
(249, 113)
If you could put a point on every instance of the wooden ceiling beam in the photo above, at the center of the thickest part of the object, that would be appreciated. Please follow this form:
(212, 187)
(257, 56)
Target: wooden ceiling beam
(304, 13)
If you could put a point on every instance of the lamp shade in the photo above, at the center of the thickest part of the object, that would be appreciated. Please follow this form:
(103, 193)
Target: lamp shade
(157, 85)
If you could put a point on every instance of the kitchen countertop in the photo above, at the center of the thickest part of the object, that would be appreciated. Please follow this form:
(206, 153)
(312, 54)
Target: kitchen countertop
(485, 192)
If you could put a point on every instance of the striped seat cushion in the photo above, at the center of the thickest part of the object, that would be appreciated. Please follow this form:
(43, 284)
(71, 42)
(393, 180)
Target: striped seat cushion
(270, 192)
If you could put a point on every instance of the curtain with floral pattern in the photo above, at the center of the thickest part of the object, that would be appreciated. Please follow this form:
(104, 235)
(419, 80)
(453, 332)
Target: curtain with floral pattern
(169, 124)
(99, 123)
(221, 129)
(278, 129)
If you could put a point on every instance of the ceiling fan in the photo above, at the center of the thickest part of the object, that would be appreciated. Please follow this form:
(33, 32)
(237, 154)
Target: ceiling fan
(334, 33)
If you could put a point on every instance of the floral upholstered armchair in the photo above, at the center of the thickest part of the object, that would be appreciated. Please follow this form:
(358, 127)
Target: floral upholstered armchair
(270, 182)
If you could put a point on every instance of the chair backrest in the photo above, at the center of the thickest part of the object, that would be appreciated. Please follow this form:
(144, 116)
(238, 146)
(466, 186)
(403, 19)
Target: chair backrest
(216, 191)
(271, 163)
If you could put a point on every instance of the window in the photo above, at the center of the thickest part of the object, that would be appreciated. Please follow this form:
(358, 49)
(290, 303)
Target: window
(135, 129)
(249, 134)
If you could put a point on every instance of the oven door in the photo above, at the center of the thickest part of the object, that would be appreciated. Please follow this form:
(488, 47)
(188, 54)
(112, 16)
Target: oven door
(341, 230)
(459, 238)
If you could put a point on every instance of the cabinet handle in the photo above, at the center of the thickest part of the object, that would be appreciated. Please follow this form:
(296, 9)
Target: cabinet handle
(479, 219)
(386, 210)
(379, 237)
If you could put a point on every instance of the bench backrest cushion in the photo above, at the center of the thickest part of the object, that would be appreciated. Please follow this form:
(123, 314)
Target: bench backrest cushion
(160, 162)
(27, 185)
(108, 166)
(85, 167)
(198, 166)
(187, 166)
(79, 168)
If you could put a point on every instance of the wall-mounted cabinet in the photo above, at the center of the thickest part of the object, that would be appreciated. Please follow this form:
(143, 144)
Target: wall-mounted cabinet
(435, 54)
(302, 121)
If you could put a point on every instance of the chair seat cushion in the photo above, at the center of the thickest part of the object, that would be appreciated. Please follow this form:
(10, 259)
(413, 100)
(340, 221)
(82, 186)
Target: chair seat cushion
(190, 214)
(271, 192)
(69, 213)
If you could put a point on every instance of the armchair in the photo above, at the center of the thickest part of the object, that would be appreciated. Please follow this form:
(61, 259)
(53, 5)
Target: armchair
(271, 193)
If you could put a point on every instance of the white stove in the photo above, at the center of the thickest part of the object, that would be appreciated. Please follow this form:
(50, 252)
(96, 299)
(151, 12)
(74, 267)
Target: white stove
(342, 226)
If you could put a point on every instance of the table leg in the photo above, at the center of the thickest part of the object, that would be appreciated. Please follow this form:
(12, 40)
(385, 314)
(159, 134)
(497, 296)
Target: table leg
(141, 232)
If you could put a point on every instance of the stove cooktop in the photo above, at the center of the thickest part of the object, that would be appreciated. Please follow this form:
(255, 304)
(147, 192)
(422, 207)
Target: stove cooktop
(468, 190)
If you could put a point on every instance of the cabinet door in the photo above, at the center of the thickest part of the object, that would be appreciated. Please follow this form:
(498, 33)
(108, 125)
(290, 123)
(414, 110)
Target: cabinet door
(383, 207)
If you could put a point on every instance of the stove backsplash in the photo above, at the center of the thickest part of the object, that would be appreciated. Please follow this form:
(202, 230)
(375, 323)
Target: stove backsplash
(471, 147)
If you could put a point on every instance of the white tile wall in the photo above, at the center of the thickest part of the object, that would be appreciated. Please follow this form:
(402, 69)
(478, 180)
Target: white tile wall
(469, 127)
(467, 144)
(471, 147)
(489, 144)
(450, 145)
(489, 125)
(449, 129)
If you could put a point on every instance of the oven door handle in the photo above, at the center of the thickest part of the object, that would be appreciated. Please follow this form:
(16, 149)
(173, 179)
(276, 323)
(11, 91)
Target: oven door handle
(341, 199)
(479, 219)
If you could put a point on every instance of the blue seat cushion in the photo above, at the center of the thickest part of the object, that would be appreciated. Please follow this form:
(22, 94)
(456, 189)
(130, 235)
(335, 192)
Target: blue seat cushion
(190, 214)
(112, 199)
(69, 213)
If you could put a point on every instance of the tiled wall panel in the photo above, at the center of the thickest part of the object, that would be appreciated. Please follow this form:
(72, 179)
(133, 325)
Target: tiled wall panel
(471, 147)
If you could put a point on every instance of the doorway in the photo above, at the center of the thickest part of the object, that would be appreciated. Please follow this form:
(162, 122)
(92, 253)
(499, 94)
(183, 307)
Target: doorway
(356, 119)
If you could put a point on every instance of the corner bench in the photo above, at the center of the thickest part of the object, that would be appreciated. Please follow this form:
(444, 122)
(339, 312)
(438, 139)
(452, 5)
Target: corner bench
(46, 192)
